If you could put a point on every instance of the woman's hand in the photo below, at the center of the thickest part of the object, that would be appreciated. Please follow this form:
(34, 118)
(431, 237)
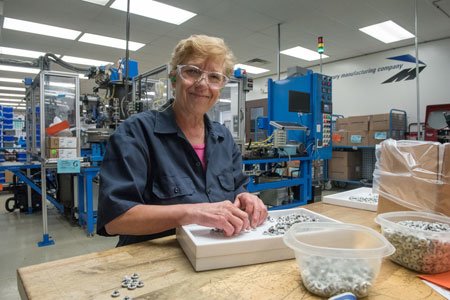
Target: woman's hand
(222, 215)
(253, 206)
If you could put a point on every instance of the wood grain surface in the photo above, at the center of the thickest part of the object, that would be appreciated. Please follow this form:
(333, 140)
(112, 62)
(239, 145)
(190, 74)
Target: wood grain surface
(168, 274)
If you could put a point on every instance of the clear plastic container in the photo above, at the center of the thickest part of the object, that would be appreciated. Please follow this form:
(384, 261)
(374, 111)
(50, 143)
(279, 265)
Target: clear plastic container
(334, 258)
(420, 250)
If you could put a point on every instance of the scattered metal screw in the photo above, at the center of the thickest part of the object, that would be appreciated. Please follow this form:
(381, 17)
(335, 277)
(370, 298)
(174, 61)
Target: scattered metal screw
(115, 294)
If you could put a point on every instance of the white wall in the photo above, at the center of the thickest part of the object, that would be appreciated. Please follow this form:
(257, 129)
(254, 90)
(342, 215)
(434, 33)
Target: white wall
(358, 87)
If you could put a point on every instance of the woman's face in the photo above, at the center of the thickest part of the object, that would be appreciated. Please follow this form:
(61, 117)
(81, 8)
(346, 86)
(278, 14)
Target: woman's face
(198, 97)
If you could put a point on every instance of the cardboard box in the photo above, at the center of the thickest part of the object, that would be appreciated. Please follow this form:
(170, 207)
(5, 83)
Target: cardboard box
(61, 142)
(62, 153)
(8, 176)
(342, 124)
(375, 137)
(358, 138)
(341, 159)
(381, 122)
(345, 165)
(414, 176)
(340, 138)
(359, 123)
(410, 158)
(349, 173)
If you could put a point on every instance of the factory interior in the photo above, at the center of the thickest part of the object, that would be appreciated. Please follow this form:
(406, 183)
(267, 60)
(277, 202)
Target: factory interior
(337, 114)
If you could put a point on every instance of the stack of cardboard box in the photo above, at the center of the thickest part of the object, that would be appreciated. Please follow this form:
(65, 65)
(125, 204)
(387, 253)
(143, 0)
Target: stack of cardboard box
(345, 165)
(413, 175)
(368, 130)
(61, 147)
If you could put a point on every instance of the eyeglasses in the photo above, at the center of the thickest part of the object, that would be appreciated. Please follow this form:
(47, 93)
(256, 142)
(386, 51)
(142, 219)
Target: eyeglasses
(193, 74)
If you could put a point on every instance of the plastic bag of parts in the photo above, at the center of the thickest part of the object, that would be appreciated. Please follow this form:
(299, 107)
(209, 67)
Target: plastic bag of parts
(412, 175)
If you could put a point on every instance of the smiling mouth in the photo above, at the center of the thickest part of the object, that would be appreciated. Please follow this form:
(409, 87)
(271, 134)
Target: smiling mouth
(202, 96)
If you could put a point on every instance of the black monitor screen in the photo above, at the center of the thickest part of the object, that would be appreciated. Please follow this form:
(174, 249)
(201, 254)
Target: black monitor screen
(299, 102)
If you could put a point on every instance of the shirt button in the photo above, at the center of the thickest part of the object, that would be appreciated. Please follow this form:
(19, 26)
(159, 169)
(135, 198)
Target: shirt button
(197, 164)
(208, 191)
(176, 190)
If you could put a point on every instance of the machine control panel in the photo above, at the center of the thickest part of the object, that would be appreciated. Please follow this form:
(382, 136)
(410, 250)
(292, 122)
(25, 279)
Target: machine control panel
(326, 108)
(326, 139)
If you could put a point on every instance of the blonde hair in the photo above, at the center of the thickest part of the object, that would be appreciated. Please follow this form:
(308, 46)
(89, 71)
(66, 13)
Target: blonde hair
(203, 46)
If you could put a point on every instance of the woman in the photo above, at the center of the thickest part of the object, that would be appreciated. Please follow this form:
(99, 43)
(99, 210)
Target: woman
(173, 167)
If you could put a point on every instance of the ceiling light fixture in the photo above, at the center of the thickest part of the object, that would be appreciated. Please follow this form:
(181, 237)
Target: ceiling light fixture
(251, 69)
(303, 53)
(20, 52)
(19, 69)
(14, 80)
(11, 100)
(85, 61)
(43, 29)
(10, 88)
(155, 10)
(387, 32)
(12, 95)
(109, 42)
(99, 2)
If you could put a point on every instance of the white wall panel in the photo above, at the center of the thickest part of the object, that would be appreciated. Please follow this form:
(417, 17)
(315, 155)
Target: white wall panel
(358, 87)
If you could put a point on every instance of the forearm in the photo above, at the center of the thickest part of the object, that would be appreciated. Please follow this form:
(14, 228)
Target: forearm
(150, 219)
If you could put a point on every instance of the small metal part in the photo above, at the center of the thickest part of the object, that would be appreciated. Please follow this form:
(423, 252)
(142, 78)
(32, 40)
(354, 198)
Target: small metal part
(135, 276)
(127, 298)
(140, 284)
(115, 294)
(132, 286)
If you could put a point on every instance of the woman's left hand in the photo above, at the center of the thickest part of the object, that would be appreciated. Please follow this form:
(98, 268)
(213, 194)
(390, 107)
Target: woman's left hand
(253, 206)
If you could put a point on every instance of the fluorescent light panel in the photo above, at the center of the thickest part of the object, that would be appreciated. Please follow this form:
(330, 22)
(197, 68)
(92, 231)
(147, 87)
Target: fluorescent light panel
(109, 42)
(10, 88)
(99, 2)
(37, 28)
(20, 52)
(11, 100)
(12, 95)
(251, 69)
(19, 69)
(10, 104)
(84, 61)
(387, 32)
(13, 80)
(155, 10)
(303, 53)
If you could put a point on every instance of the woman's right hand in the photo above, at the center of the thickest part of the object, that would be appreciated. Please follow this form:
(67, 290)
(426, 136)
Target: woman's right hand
(222, 215)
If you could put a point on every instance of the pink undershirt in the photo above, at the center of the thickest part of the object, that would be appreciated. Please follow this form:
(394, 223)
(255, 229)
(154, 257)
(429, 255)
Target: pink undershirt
(200, 150)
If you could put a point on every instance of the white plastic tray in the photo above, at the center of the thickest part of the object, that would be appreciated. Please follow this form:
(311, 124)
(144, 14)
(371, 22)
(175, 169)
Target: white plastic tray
(207, 251)
(343, 199)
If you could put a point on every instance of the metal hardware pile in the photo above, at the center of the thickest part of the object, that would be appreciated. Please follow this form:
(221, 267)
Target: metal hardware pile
(283, 223)
(420, 251)
(370, 198)
(327, 277)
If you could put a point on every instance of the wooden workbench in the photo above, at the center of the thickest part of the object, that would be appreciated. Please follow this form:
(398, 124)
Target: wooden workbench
(168, 274)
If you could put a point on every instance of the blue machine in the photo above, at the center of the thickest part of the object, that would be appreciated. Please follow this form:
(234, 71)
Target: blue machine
(299, 116)
(305, 101)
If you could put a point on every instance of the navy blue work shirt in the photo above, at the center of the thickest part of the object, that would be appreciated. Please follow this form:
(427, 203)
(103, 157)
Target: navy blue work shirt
(149, 161)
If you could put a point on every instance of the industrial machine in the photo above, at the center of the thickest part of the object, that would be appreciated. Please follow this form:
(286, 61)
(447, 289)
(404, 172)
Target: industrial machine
(299, 124)
(437, 123)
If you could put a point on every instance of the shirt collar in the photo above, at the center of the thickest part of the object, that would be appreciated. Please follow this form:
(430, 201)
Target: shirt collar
(165, 124)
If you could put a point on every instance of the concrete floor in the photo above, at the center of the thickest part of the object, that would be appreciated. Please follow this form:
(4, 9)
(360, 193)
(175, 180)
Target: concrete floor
(20, 232)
